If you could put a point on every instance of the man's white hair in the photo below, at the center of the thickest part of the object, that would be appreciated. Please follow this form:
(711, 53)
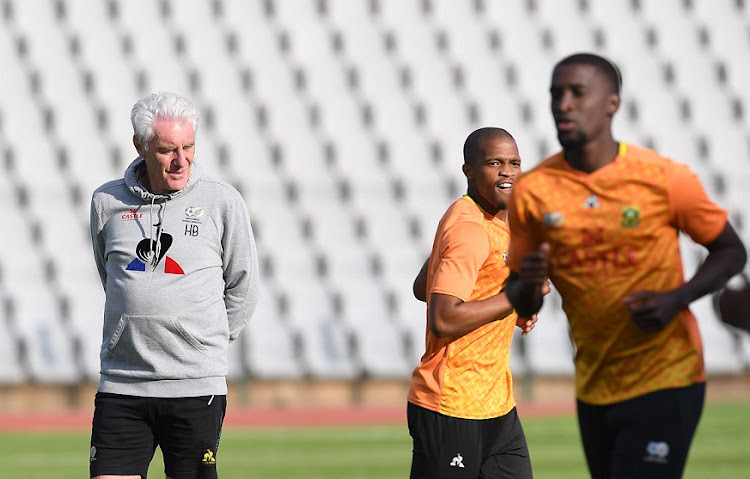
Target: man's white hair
(160, 105)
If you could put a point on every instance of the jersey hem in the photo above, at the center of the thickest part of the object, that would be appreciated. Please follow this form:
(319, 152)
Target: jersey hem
(446, 412)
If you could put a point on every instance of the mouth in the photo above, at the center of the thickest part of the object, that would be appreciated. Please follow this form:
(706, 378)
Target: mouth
(505, 186)
(564, 124)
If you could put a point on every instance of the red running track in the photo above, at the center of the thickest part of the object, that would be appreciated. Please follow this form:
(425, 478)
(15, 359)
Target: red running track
(265, 418)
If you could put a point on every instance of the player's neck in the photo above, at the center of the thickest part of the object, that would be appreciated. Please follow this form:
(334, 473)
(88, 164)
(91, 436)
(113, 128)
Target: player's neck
(487, 207)
(593, 155)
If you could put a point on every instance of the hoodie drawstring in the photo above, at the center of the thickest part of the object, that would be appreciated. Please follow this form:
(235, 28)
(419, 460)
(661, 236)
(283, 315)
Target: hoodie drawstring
(155, 245)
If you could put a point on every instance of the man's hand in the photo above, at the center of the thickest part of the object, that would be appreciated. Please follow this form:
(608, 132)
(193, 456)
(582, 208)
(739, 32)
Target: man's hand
(527, 324)
(653, 310)
(534, 268)
(525, 288)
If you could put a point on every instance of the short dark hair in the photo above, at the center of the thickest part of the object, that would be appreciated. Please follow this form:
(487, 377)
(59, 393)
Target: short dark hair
(473, 143)
(604, 65)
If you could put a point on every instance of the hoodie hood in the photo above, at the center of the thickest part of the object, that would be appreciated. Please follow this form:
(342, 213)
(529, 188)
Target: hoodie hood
(133, 181)
(158, 204)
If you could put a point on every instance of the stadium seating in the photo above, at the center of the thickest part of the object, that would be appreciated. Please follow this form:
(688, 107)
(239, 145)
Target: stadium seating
(11, 369)
(341, 122)
(266, 348)
(555, 341)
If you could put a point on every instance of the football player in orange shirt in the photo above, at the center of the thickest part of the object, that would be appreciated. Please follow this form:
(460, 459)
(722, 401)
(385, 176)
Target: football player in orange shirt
(606, 233)
(461, 409)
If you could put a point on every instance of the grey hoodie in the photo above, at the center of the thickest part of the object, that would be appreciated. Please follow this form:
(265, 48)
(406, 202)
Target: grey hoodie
(180, 273)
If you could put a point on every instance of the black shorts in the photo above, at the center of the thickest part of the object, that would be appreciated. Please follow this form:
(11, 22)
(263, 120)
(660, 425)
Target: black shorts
(447, 447)
(127, 429)
(644, 437)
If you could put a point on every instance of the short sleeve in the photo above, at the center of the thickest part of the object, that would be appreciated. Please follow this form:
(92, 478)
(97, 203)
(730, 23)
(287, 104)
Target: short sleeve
(465, 247)
(691, 210)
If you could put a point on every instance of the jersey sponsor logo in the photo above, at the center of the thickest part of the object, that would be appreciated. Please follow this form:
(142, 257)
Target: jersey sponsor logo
(601, 260)
(146, 253)
(657, 451)
(595, 256)
(458, 461)
(554, 219)
(133, 215)
(591, 202)
(631, 216)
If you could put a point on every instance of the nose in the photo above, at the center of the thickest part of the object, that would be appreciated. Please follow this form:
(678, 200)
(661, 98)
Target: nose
(562, 102)
(506, 170)
(180, 158)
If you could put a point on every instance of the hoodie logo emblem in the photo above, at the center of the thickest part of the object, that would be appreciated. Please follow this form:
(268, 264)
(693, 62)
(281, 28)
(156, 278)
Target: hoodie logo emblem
(133, 215)
(194, 211)
(193, 216)
(146, 252)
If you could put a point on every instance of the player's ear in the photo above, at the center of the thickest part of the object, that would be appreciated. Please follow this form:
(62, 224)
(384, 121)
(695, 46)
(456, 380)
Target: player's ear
(468, 172)
(613, 104)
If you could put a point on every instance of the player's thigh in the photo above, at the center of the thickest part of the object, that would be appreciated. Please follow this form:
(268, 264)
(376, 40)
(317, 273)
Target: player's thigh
(597, 438)
(188, 434)
(658, 430)
(508, 454)
(122, 442)
(444, 447)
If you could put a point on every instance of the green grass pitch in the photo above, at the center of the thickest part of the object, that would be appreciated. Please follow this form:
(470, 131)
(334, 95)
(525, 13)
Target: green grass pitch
(721, 450)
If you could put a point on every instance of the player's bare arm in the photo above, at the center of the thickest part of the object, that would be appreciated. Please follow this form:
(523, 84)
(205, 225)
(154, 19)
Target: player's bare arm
(526, 289)
(419, 288)
(450, 316)
(653, 310)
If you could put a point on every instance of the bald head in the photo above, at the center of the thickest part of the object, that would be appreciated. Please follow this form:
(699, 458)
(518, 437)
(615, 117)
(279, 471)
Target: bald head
(474, 150)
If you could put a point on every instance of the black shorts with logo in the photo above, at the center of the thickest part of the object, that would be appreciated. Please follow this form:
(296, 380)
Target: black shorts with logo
(647, 437)
(448, 447)
(127, 429)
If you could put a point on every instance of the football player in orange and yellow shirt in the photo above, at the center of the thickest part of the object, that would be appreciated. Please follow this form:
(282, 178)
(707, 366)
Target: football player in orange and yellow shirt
(601, 219)
(461, 409)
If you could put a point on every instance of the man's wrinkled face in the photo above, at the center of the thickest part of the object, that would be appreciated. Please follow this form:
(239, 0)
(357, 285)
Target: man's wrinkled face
(169, 155)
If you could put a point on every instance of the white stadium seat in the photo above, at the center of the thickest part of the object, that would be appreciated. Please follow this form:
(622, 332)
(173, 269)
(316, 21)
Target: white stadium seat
(267, 346)
(549, 349)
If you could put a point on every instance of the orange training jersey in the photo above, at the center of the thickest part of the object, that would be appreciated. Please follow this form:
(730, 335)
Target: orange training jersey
(614, 232)
(467, 377)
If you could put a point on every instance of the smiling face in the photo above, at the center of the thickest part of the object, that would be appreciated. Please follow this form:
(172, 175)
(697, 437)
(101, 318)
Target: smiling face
(169, 155)
(491, 172)
(584, 100)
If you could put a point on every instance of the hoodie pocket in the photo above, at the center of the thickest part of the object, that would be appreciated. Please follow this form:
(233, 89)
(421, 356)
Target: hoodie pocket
(156, 347)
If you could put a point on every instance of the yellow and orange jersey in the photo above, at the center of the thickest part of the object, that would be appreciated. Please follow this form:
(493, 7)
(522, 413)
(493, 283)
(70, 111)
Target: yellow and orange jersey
(614, 232)
(468, 377)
